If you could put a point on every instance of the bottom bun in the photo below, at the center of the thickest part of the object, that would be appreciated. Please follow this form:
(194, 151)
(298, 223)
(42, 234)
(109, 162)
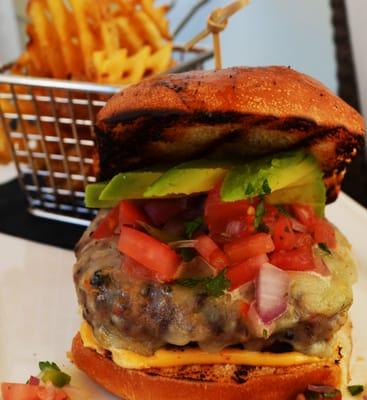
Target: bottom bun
(198, 382)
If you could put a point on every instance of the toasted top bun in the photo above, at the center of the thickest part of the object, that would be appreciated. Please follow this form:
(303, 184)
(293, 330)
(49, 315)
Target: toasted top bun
(245, 112)
(215, 382)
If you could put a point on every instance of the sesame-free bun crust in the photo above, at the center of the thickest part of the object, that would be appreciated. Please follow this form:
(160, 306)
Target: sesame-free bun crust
(214, 382)
(244, 112)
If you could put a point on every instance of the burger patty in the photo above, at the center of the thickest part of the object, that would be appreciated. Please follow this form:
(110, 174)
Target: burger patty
(134, 313)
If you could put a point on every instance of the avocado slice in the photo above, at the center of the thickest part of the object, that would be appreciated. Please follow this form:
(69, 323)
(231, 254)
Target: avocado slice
(191, 177)
(261, 177)
(92, 193)
(129, 185)
(308, 190)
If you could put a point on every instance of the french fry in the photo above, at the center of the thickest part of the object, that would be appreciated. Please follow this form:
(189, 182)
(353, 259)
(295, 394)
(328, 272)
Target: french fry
(160, 61)
(64, 22)
(147, 29)
(109, 66)
(158, 15)
(110, 36)
(117, 67)
(47, 38)
(129, 38)
(135, 66)
(87, 15)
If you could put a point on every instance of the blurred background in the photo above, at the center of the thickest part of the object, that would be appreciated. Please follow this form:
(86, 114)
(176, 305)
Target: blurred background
(287, 32)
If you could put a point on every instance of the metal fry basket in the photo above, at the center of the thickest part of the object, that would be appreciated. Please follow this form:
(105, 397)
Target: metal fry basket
(49, 125)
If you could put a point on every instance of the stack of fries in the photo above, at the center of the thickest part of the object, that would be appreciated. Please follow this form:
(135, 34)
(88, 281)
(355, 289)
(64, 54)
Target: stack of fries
(105, 41)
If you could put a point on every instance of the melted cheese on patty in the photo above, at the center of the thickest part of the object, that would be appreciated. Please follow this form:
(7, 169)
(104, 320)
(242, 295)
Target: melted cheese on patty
(187, 356)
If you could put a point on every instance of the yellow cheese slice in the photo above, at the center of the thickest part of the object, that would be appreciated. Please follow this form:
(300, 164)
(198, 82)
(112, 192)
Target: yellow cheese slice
(187, 356)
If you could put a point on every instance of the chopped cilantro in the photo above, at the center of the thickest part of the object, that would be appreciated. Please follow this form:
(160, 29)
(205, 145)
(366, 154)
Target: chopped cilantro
(331, 395)
(265, 333)
(266, 189)
(191, 282)
(192, 226)
(250, 189)
(282, 209)
(324, 247)
(218, 285)
(50, 372)
(187, 253)
(212, 286)
(259, 213)
(354, 390)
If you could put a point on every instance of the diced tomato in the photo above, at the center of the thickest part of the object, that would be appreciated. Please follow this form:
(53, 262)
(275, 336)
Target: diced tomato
(130, 213)
(283, 235)
(270, 217)
(304, 213)
(245, 271)
(323, 232)
(248, 247)
(22, 391)
(218, 213)
(108, 225)
(137, 270)
(244, 308)
(300, 259)
(150, 252)
(211, 252)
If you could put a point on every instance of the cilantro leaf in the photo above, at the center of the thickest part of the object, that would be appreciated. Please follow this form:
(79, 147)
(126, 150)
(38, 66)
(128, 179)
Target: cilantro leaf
(215, 286)
(266, 189)
(192, 226)
(218, 285)
(187, 253)
(282, 210)
(354, 390)
(190, 282)
(324, 247)
(259, 214)
(250, 189)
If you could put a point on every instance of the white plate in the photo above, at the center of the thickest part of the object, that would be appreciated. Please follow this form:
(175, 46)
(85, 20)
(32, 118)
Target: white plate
(39, 313)
(7, 172)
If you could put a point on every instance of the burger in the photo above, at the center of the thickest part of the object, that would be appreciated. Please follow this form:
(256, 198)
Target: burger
(210, 271)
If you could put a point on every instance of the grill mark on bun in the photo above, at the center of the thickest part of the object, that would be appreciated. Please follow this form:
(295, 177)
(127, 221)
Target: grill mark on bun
(235, 112)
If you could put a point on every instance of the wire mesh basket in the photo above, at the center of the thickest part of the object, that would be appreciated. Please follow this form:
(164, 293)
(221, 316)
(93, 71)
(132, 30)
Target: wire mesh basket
(49, 125)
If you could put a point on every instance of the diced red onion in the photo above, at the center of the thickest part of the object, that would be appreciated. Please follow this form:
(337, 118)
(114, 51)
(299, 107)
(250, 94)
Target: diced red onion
(175, 226)
(321, 388)
(179, 244)
(234, 228)
(272, 286)
(33, 380)
(297, 226)
(162, 210)
(256, 324)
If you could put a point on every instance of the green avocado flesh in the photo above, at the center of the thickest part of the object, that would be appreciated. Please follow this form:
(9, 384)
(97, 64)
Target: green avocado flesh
(129, 185)
(191, 177)
(92, 193)
(289, 177)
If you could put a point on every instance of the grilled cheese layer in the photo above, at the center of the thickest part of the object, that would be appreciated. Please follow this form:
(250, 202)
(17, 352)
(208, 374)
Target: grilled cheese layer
(188, 356)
